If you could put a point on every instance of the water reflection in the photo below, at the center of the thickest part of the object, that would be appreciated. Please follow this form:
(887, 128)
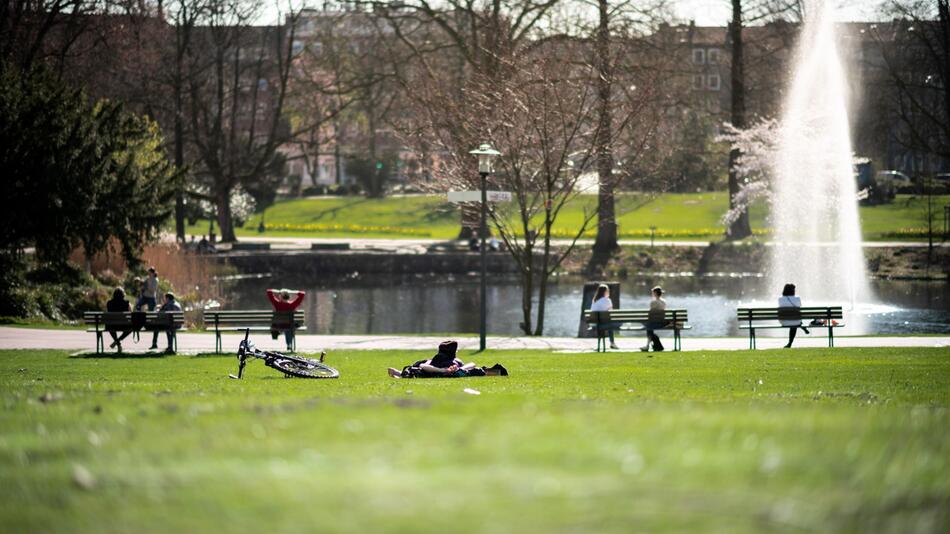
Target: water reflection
(449, 304)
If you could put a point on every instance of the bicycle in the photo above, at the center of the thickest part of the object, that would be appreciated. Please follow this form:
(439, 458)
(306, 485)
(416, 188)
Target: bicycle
(292, 366)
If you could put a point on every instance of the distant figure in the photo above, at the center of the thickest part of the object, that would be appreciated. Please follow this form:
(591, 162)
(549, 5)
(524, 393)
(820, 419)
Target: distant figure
(656, 320)
(203, 245)
(473, 244)
(281, 302)
(789, 300)
(118, 304)
(170, 305)
(602, 303)
(445, 365)
(149, 294)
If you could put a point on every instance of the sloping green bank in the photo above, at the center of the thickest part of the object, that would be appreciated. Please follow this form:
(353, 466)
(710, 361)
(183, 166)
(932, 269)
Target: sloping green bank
(675, 216)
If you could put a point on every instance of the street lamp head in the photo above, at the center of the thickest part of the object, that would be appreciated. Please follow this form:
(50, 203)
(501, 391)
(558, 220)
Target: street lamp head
(486, 154)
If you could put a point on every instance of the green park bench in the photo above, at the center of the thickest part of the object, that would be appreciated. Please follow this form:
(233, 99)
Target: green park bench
(753, 319)
(101, 322)
(675, 320)
(254, 320)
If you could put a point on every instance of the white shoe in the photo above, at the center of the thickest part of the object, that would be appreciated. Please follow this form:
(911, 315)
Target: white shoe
(614, 346)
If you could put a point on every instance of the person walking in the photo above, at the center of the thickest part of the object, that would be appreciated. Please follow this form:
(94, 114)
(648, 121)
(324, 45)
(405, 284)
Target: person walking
(655, 319)
(602, 303)
(789, 300)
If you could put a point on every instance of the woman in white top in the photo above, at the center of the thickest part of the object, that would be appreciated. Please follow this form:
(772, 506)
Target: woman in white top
(789, 300)
(602, 303)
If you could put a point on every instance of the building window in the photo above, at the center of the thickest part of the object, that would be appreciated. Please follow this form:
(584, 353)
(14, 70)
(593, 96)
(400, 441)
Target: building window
(697, 81)
(699, 56)
(713, 82)
(712, 56)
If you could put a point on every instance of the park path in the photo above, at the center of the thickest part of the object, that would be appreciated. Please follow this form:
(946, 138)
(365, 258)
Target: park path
(413, 245)
(30, 338)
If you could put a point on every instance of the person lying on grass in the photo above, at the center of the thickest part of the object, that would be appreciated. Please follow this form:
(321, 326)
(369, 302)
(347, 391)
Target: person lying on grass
(446, 365)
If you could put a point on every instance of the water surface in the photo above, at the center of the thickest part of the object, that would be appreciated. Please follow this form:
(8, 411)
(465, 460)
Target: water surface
(427, 304)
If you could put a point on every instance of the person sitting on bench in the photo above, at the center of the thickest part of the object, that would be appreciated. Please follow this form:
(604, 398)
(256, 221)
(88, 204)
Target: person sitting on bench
(602, 303)
(656, 320)
(284, 304)
(789, 300)
(170, 306)
(446, 365)
(118, 304)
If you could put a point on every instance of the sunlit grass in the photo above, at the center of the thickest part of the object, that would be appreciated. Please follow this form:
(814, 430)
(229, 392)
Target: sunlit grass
(686, 216)
(807, 439)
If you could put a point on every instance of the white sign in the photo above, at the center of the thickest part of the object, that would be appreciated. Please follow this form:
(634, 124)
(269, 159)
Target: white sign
(476, 196)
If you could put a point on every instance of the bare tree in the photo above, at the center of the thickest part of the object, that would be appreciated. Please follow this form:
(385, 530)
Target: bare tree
(184, 16)
(622, 58)
(343, 74)
(237, 86)
(35, 31)
(739, 228)
(915, 49)
(759, 11)
(606, 241)
(447, 46)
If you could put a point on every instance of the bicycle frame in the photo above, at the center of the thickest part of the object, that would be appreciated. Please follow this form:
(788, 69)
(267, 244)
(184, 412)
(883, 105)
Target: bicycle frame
(247, 350)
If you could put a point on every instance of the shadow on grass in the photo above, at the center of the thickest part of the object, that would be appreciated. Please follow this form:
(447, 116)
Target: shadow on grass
(212, 355)
(331, 213)
(118, 356)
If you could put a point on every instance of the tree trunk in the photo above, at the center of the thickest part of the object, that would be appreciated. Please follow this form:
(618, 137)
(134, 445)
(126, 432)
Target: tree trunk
(527, 287)
(740, 228)
(376, 178)
(179, 137)
(225, 224)
(606, 242)
(179, 163)
(544, 271)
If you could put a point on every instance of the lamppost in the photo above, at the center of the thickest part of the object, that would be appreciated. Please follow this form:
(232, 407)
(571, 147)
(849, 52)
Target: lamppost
(486, 154)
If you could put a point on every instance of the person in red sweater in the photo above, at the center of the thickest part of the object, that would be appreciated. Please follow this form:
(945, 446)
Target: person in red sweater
(280, 299)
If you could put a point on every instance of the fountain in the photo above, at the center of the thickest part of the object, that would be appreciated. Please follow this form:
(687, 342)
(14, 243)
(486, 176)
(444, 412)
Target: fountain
(814, 205)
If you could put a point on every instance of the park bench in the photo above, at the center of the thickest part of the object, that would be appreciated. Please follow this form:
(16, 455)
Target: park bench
(633, 320)
(753, 319)
(153, 321)
(254, 320)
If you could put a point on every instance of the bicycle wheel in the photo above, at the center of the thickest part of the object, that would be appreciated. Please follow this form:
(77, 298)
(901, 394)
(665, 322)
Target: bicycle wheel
(303, 368)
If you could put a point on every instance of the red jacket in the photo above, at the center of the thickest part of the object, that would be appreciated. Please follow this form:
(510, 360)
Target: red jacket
(284, 305)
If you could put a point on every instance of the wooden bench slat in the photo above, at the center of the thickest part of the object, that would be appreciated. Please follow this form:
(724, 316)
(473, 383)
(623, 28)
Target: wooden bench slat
(753, 319)
(636, 315)
(256, 320)
(675, 317)
(155, 321)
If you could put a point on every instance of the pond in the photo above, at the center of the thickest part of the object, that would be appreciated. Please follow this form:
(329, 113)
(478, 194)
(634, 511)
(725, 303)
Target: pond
(444, 304)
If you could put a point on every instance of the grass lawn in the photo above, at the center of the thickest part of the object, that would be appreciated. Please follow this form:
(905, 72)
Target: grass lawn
(833, 440)
(40, 324)
(676, 216)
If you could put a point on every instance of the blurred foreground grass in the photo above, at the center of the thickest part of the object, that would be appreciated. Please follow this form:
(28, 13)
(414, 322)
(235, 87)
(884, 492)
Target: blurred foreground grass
(834, 440)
